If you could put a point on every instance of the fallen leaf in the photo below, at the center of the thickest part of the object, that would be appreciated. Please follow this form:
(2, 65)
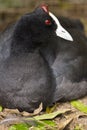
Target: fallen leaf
(1, 108)
(80, 106)
(63, 124)
(50, 115)
(36, 111)
(11, 111)
(19, 127)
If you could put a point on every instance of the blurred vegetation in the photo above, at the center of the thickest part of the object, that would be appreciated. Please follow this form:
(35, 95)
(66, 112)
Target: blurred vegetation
(10, 3)
(10, 10)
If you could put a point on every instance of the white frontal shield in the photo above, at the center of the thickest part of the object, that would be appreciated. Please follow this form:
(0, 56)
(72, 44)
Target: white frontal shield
(60, 31)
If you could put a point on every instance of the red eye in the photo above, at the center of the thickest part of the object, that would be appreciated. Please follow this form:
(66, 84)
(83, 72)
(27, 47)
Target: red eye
(48, 22)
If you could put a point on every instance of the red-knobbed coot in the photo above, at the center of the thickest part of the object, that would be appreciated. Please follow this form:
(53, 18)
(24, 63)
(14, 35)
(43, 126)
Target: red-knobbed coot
(26, 79)
(34, 60)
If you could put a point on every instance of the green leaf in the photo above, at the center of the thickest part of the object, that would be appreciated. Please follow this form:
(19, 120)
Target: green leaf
(21, 126)
(41, 125)
(78, 128)
(41, 122)
(50, 115)
(80, 106)
(1, 108)
(49, 122)
(46, 124)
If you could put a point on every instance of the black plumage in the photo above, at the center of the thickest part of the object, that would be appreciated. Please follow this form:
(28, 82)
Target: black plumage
(26, 79)
(37, 66)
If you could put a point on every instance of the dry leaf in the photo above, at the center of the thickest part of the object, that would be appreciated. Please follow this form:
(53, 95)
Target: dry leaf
(36, 111)
(63, 124)
(11, 111)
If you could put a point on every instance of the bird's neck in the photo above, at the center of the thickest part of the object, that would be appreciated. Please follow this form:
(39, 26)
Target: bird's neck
(49, 50)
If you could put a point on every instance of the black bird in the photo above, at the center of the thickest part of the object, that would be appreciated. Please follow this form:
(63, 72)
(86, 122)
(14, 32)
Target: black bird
(68, 60)
(32, 57)
(26, 79)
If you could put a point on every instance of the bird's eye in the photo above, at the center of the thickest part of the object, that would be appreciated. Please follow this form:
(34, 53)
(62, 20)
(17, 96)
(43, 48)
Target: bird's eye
(48, 22)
